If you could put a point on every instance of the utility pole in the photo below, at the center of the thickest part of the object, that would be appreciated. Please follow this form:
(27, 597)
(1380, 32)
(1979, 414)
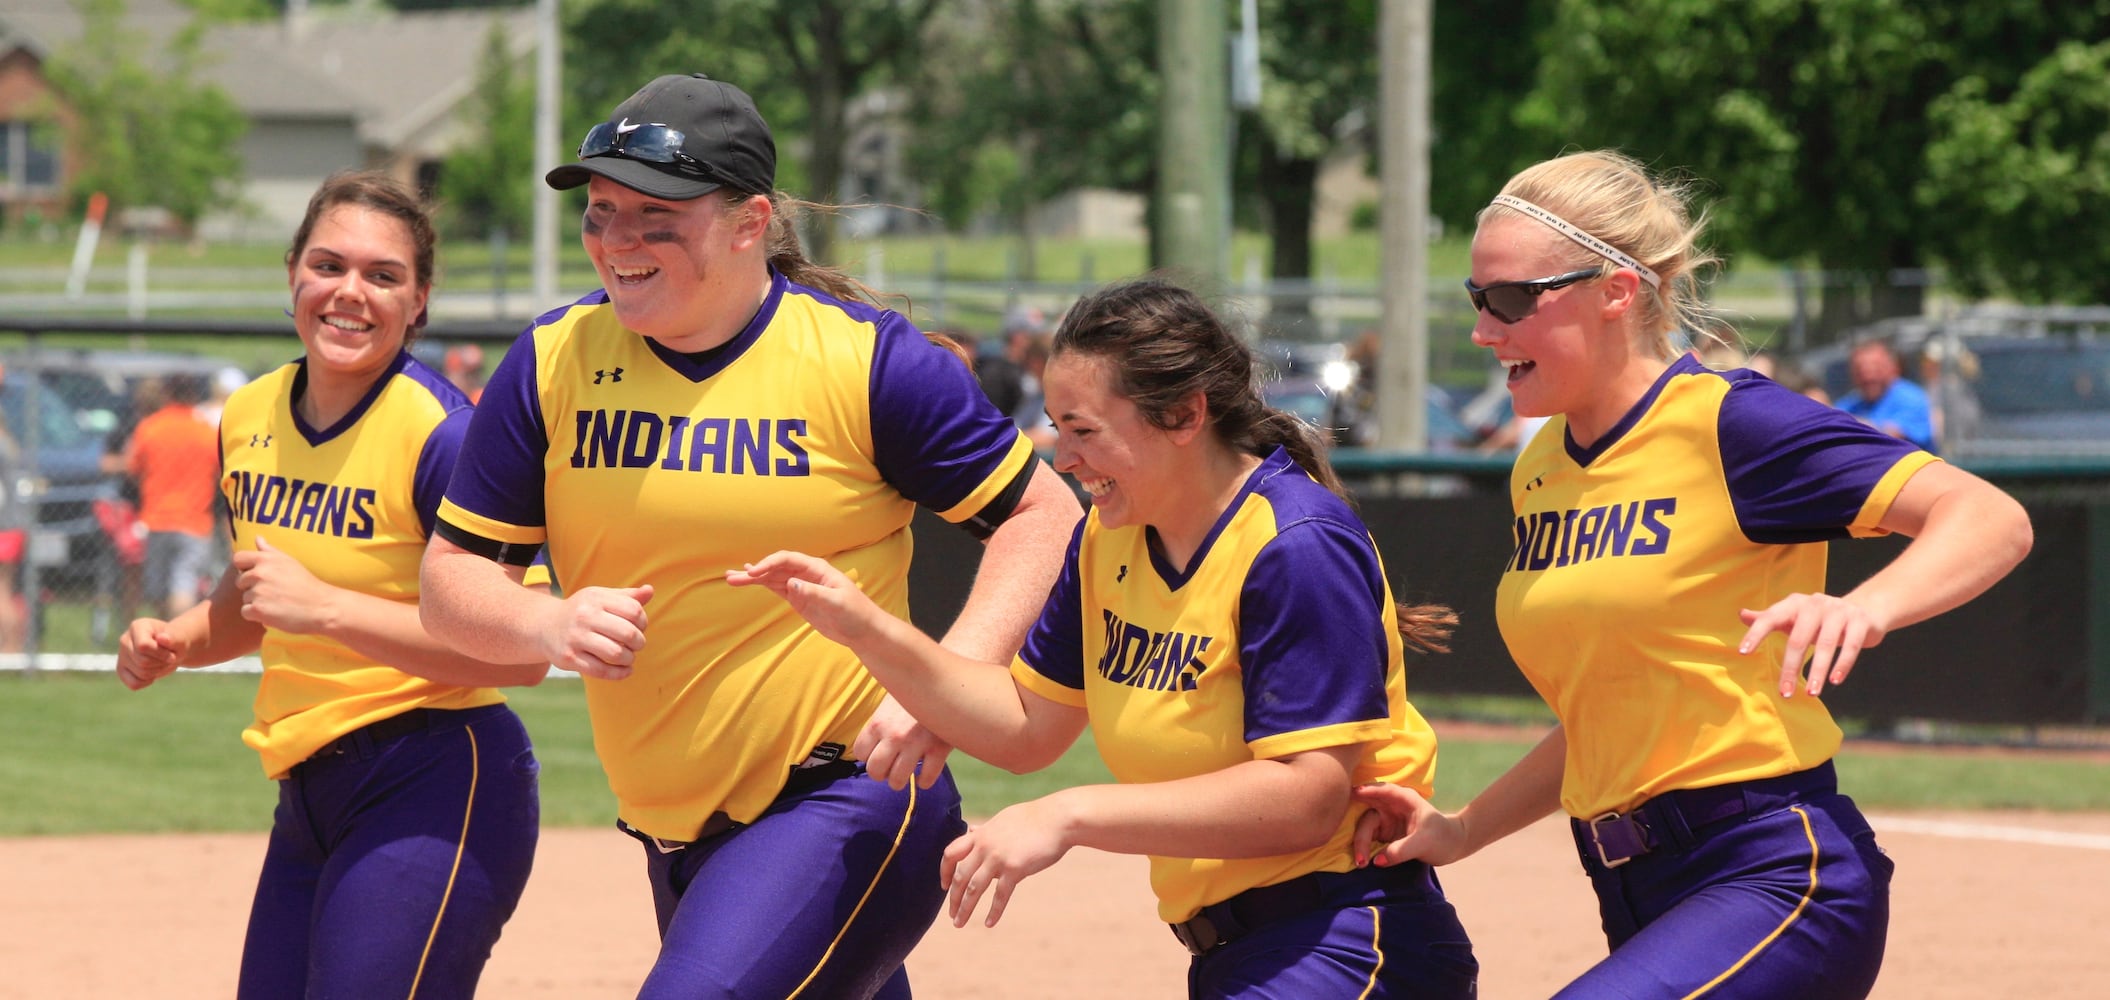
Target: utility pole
(1190, 232)
(548, 69)
(1403, 224)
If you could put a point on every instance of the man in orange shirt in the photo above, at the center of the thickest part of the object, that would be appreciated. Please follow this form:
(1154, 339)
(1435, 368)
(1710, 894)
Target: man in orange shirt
(175, 456)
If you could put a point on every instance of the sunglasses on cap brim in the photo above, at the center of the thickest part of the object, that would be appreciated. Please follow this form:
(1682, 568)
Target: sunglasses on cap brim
(659, 144)
(1512, 301)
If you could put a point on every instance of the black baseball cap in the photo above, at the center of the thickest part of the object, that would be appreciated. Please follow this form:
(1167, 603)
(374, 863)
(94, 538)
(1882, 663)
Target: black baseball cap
(677, 138)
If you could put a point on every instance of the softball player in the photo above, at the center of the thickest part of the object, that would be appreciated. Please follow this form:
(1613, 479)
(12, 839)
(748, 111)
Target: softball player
(721, 398)
(1224, 625)
(1666, 587)
(407, 813)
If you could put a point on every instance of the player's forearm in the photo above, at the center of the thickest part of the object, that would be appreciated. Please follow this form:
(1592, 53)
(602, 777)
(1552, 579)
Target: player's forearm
(1526, 793)
(1967, 535)
(1259, 808)
(972, 704)
(213, 630)
(389, 632)
(1019, 565)
(473, 604)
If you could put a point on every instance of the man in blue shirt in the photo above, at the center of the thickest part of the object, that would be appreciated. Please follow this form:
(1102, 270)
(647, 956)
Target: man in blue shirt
(1884, 399)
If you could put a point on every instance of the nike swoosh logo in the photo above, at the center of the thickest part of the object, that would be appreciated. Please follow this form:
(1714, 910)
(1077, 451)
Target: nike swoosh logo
(625, 128)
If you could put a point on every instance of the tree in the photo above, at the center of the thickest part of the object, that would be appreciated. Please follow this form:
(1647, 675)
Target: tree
(1017, 101)
(2024, 181)
(1024, 99)
(147, 135)
(1485, 58)
(485, 183)
(807, 58)
(1813, 116)
(1318, 65)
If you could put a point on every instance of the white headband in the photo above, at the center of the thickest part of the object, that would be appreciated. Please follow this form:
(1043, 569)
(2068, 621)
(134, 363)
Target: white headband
(1589, 242)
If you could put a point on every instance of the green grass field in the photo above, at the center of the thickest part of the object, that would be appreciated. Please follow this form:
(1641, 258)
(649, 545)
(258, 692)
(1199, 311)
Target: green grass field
(80, 754)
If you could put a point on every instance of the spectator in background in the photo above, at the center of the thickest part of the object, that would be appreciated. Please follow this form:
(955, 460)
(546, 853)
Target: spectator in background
(1949, 371)
(1805, 383)
(224, 383)
(1884, 399)
(175, 458)
(1031, 415)
(1003, 376)
(1512, 436)
(119, 516)
(464, 366)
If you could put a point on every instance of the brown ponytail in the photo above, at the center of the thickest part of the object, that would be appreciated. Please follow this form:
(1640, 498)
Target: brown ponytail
(1426, 627)
(788, 256)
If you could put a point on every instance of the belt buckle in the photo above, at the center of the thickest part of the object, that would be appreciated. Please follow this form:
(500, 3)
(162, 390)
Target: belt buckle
(1597, 840)
(1198, 935)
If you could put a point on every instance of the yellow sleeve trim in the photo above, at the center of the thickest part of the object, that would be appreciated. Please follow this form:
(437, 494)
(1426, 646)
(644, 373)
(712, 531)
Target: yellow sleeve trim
(1337, 735)
(1038, 683)
(484, 527)
(1021, 453)
(1886, 493)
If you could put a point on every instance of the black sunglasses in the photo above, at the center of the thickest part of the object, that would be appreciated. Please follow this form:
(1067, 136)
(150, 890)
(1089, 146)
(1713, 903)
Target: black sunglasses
(1512, 301)
(647, 143)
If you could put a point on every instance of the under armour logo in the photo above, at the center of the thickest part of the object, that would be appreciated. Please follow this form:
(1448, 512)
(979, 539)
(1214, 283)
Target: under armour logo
(612, 376)
(259, 440)
(1123, 575)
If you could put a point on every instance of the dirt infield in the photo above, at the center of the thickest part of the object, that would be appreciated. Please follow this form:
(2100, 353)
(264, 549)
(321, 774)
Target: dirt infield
(2008, 905)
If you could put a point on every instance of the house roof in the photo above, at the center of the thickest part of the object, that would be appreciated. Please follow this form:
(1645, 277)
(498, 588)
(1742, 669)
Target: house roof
(399, 72)
(394, 74)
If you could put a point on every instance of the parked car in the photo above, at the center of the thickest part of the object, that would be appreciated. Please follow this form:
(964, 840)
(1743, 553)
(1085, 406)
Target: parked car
(83, 395)
(57, 468)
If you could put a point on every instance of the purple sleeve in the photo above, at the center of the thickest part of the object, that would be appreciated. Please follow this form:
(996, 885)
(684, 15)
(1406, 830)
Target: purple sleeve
(499, 475)
(1055, 646)
(936, 437)
(436, 465)
(1311, 631)
(1798, 470)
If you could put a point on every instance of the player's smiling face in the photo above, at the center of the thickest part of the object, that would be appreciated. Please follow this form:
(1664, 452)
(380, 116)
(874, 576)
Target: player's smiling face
(662, 261)
(355, 290)
(1557, 356)
(1103, 441)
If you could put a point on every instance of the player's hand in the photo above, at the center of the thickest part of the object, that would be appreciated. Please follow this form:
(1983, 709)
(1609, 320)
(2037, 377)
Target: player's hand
(597, 631)
(147, 652)
(897, 749)
(994, 857)
(1403, 826)
(279, 592)
(819, 592)
(1830, 631)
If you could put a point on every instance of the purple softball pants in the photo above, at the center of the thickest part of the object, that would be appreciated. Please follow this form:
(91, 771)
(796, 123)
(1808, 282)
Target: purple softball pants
(822, 897)
(1760, 889)
(396, 855)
